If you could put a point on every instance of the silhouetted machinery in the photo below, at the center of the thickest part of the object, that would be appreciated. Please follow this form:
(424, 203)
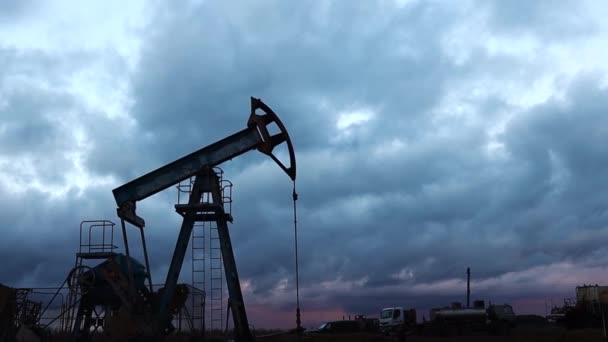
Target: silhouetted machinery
(134, 309)
(589, 310)
(8, 311)
(19, 316)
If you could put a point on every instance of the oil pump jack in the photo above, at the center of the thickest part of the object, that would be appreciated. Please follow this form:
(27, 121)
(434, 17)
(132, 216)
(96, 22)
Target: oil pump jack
(148, 314)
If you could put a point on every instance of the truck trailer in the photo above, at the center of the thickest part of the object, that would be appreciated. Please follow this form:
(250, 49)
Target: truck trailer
(456, 319)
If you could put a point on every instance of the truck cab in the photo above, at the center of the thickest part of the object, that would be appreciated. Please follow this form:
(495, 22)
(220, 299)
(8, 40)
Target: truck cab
(396, 317)
(502, 318)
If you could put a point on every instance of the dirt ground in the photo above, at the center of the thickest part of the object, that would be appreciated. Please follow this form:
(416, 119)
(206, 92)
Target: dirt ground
(523, 335)
(550, 334)
(518, 335)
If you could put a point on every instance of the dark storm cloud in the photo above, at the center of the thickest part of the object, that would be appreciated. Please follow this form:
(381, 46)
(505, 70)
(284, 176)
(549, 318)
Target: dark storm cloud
(40, 234)
(41, 115)
(435, 206)
(295, 61)
(393, 207)
(39, 146)
(513, 208)
(564, 139)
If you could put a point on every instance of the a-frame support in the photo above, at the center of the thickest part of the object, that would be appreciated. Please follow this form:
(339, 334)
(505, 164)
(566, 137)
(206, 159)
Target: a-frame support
(207, 181)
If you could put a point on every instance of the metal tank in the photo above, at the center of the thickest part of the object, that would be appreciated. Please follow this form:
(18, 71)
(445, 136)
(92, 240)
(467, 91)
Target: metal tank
(461, 314)
(591, 293)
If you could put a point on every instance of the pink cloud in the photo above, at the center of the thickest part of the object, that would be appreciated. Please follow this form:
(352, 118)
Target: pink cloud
(528, 287)
(266, 317)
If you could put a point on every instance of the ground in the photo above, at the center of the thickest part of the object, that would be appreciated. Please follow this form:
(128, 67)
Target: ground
(549, 334)
(523, 335)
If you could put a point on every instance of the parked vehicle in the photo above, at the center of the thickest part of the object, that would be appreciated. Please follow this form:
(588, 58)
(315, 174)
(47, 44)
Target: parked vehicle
(370, 325)
(457, 319)
(338, 327)
(397, 319)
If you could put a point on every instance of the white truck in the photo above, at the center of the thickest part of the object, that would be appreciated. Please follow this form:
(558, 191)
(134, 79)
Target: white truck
(397, 319)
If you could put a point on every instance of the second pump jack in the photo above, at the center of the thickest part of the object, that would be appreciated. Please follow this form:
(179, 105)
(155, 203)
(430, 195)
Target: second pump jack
(200, 165)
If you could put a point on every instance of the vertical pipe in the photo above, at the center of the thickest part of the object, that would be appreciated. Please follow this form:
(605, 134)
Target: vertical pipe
(295, 231)
(112, 237)
(203, 325)
(80, 242)
(468, 287)
(62, 319)
(179, 321)
(603, 308)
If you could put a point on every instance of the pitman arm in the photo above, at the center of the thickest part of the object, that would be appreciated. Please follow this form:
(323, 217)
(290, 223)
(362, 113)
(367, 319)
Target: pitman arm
(255, 136)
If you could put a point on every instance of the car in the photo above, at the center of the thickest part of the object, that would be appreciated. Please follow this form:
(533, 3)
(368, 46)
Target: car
(339, 327)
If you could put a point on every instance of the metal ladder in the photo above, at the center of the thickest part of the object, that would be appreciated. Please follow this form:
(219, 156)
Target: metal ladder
(207, 255)
(198, 260)
(197, 311)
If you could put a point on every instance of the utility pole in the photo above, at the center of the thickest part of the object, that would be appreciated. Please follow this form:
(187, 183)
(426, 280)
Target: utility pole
(468, 287)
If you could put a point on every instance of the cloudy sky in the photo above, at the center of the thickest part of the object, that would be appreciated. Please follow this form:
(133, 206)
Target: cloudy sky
(431, 136)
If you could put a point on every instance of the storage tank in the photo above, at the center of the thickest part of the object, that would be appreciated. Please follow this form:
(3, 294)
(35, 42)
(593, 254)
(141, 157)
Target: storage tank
(590, 293)
(479, 304)
(461, 314)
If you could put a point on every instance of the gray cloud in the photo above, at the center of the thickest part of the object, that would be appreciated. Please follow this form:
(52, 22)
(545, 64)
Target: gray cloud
(393, 207)
(10, 9)
(548, 20)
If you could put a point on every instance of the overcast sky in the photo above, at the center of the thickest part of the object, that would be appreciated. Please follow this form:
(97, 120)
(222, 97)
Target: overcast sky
(431, 136)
